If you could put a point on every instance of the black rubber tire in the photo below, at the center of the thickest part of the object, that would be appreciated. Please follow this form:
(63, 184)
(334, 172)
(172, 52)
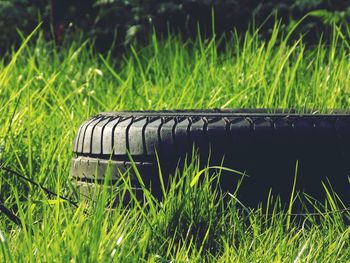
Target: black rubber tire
(265, 144)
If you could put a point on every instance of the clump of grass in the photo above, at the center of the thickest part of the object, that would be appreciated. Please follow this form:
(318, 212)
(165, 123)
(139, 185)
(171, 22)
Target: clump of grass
(45, 93)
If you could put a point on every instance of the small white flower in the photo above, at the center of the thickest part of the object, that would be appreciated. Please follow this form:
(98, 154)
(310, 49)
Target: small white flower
(113, 252)
(98, 72)
(80, 90)
(39, 76)
(2, 237)
(119, 240)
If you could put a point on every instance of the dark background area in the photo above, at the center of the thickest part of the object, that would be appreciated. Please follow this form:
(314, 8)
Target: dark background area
(124, 21)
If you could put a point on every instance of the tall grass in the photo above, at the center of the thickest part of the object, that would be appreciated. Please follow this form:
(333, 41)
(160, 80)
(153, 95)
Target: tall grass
(47, 91)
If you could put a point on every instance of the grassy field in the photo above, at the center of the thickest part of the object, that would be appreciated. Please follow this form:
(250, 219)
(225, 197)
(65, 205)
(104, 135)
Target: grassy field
(46, 92)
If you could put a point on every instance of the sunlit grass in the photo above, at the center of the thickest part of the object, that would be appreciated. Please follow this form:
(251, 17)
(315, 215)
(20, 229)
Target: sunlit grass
(46, 92)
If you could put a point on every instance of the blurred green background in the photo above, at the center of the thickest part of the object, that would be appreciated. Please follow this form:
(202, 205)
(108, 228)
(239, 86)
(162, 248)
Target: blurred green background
(121, 22)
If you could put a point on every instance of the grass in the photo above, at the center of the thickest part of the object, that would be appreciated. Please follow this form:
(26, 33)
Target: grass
(46, 92)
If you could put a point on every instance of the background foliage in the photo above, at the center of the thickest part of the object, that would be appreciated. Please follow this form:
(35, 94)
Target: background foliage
(123, 21)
